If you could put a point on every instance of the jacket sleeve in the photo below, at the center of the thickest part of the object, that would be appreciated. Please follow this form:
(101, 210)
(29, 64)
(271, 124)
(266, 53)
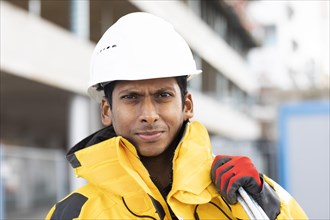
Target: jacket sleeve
(289, 208)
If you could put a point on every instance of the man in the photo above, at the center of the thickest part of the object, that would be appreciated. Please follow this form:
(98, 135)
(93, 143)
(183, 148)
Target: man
(150, 161)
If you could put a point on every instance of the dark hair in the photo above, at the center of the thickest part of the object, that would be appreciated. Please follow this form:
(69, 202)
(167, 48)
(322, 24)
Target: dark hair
(181, 80)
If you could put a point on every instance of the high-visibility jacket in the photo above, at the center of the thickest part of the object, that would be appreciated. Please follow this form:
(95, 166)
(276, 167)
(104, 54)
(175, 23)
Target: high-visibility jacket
(119, 186)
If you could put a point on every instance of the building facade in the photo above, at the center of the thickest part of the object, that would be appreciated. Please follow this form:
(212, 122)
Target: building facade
(45, 52)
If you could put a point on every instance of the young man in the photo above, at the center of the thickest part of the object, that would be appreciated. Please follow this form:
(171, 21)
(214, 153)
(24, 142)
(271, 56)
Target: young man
(150, 161)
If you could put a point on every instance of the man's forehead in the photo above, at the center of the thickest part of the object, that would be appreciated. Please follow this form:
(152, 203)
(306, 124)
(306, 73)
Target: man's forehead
(147, 83)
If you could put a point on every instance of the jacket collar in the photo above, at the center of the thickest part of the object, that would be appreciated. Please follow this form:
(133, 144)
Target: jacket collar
(191, 168)
(95, 138)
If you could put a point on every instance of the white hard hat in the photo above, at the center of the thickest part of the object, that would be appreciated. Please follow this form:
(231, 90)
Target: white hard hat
(139, 46)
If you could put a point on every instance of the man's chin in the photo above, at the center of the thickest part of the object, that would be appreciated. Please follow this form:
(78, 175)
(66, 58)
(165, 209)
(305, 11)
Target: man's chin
(150, 153)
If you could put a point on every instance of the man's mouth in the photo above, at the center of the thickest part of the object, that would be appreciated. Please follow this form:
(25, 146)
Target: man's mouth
(150, 136)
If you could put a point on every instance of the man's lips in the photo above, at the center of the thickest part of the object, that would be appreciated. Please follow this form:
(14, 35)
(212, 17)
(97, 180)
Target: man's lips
(149, 136)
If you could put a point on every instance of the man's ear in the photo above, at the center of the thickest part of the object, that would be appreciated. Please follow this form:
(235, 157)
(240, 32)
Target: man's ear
(188, 109)
(105, 112)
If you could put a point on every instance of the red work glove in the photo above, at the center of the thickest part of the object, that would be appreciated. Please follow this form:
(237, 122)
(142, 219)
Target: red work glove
(228, 173)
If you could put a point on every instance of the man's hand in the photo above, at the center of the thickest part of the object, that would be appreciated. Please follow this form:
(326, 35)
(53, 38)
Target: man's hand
(229, 173)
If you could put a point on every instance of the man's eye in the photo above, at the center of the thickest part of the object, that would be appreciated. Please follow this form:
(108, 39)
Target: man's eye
(164, 95)
(129, 97)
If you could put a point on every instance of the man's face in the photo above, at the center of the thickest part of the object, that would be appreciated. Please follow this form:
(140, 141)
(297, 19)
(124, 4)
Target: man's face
(148, 113)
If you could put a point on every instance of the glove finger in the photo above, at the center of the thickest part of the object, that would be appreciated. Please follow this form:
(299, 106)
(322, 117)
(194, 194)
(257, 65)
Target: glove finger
(232, 192)
(225, 187)
(218, 162)
(223, 180)
(235, 182)
(247, 182)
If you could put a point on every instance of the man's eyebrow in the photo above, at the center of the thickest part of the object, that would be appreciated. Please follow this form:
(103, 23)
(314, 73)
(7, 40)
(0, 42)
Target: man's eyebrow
(129, 91)
(138, 91)
(162, 89)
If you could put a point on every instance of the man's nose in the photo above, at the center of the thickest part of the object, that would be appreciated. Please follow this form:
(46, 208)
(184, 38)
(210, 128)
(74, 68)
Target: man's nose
(149, 112)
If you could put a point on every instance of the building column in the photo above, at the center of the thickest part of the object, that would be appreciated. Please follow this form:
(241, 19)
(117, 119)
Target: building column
(78, 129)
(79, 108)
(2, 187)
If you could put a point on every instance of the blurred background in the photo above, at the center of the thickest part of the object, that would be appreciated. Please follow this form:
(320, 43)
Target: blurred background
(264, 91)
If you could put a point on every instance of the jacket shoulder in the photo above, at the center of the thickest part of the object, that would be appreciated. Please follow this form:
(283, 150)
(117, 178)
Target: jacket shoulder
(85, 202)
(70, 207)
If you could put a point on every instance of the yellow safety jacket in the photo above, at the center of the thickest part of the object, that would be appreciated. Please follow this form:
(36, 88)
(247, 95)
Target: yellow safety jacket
(119, 186)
